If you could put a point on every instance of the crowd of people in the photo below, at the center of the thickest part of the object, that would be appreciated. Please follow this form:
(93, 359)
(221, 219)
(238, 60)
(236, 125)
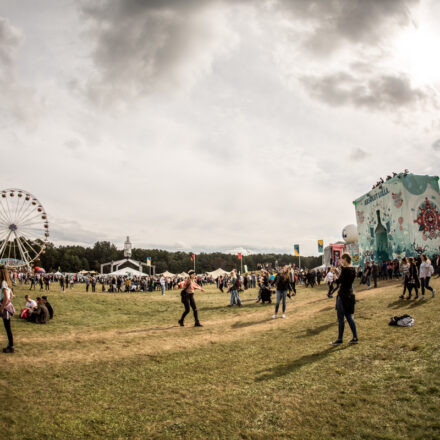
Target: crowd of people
(415, 274)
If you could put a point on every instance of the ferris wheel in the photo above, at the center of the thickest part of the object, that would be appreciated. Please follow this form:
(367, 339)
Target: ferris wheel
(24, 228)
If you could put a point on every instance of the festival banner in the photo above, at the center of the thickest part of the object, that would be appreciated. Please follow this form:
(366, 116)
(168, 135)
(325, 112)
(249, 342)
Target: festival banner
(239, 256)
(193, 257)
(148, 261)
(320, 246)
(296, 250)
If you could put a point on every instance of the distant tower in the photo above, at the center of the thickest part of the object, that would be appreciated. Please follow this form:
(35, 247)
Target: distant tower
(127, 248)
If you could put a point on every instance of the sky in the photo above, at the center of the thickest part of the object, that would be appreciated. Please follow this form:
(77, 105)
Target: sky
(217, 125)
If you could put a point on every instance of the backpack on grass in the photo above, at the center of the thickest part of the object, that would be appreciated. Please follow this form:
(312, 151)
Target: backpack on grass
(402, 321)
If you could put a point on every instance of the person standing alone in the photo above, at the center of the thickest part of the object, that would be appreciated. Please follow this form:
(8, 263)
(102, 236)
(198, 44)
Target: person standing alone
(345, 300)
(6, 307)
(188, 299)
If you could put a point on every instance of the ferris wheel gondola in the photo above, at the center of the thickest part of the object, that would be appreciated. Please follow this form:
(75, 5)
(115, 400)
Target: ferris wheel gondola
(24, 228)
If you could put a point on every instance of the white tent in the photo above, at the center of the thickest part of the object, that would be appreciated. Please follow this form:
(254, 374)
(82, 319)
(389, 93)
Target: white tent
(217, 273)
(167, 274)
(127, 271)
(58, 274)
(183, 275)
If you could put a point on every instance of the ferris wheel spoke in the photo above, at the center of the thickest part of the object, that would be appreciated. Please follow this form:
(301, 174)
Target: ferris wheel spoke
(21, 208)
(26, 211)
(9, 209)
(31, 232)
(27, 241)
(17, 206)
(33, 225)
(23, 252)
(4, 211)
(3, 247)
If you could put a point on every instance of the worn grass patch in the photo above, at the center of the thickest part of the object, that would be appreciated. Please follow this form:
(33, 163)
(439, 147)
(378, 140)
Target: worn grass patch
(117, 366)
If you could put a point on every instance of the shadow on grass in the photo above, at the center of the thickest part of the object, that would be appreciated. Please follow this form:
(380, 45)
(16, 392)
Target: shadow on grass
(316, 330)
(253, 305)
(248, 324)
(282, 370)
(397, 304)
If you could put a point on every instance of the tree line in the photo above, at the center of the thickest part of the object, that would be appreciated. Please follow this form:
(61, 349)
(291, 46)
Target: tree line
(76, 258)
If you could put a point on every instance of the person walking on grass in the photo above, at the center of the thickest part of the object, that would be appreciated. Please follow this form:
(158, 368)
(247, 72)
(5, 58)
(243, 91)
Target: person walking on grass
(413, 279)
(282, 283)
(426, 271)
(187, 295)
(6, 307)
(345, 300)
(405, 275)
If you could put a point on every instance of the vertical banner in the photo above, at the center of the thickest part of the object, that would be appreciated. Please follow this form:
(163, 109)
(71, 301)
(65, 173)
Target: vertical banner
(148, 261)
(296, 250)
(193, 258)
(245, 268)
(320, 246)
(239, 256)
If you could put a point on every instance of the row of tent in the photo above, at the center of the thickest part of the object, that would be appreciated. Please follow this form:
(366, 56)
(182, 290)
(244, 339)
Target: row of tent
(133, 272)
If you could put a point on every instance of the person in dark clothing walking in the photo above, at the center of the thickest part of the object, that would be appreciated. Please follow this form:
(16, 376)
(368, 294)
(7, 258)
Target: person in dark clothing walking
(188, 299)
(345, 300)
(413, 279)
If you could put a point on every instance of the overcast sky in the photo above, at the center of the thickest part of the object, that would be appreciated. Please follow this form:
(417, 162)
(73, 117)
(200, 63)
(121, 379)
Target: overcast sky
(214, 124)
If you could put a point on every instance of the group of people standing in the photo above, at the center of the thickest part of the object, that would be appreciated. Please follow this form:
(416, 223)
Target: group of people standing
(416, 274)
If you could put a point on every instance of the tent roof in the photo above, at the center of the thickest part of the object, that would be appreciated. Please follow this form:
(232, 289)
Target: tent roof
(217, 273)
(168, 274)
(128, 271)
(183, 274)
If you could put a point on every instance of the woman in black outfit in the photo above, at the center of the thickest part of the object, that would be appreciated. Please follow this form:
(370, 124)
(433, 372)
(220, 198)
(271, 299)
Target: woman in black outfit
(413, 279)
(345, 300)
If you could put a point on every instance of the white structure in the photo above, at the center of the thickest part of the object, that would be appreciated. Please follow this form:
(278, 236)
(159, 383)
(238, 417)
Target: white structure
(118, 265)
(127, 248)
(350, 234)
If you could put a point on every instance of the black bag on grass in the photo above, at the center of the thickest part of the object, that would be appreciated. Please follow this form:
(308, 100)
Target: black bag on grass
(402, 321)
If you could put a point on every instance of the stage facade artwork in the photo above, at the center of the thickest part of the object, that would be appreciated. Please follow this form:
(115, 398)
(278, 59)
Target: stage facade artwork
(400, 217)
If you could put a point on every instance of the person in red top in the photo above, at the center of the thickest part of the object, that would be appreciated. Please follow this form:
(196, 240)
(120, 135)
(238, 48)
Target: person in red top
(188, 298)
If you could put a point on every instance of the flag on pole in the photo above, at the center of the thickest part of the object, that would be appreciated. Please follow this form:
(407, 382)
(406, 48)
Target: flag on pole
(148, 261)
(193, 257)
(296, 250)
(239, 255)
(320, 246)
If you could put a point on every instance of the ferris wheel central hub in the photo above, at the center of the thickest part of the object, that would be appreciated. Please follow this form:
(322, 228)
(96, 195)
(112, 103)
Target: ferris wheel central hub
(13, 227)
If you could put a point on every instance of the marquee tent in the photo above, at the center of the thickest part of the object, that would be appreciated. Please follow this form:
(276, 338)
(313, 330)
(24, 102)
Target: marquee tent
(183, 275)
(217, 273)
(127, 271)
(168, 274)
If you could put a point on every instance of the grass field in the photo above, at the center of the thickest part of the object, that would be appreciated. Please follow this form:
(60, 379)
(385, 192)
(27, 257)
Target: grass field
(117, 366)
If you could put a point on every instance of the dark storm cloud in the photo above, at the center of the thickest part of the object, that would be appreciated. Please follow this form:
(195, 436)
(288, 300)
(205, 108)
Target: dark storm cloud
(378, 93)
(141, 43)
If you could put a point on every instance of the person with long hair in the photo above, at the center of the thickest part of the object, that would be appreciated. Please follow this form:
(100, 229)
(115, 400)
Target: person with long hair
(6, 308)
(188, 298)
(282, 283)
(345, 300)
(405, 275)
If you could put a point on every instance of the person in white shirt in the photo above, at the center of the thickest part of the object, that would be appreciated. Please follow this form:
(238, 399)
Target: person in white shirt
(329, 278)
(30, 303)
(162, 284)
(426, 271)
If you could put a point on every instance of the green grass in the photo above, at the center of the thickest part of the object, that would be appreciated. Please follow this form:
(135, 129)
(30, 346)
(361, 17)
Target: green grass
(117, 366)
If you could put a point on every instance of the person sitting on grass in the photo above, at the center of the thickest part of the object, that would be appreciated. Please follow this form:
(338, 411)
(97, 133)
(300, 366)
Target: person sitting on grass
(30, 306)
(40, 315)
(345, 300)
(48, 306)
